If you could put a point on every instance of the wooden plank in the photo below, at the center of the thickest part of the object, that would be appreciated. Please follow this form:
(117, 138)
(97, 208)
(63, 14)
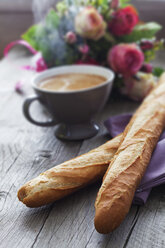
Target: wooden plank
(27, 150)
(74, 227)
(150, 226)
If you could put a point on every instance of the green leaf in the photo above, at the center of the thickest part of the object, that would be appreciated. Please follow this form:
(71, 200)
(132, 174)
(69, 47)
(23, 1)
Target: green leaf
(52, 19)
(103, 2)
(150, 54)
(124, 3)
(142, 31)
(61, 7)
(69, 2)
(33, 34)
(157, 71)
(37, 35)
(109, 37)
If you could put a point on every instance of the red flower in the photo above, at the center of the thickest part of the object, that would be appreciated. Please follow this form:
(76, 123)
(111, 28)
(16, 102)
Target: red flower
(146, 45)
(125, 59)
(87, 61)
(147, 68)
(123, 21)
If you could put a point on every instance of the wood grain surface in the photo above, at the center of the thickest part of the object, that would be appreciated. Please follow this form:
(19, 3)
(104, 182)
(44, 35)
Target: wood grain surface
(27, 150)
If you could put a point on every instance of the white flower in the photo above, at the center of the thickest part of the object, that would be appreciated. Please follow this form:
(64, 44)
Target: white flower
(90, 24)
(138, 87)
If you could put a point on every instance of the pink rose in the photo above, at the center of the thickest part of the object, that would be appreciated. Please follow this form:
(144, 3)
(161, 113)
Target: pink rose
(90, 24)
(125, 59)
(70, 37)
(84, 49)
(123, 21)
(138, 87)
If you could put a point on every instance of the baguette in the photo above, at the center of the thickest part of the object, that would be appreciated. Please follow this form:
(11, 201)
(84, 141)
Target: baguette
(69, 176)
(130, 161)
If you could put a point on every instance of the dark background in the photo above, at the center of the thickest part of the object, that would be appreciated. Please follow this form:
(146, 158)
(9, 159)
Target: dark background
(16, 16)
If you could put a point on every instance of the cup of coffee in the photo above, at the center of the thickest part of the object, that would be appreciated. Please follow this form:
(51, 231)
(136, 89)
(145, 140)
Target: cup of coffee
(73, 95)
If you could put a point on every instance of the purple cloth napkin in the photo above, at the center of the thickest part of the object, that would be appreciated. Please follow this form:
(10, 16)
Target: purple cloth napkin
(155, 173)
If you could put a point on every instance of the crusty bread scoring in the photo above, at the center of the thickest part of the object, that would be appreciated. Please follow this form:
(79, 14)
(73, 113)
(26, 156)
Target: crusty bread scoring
(130, 161)
(69, 176)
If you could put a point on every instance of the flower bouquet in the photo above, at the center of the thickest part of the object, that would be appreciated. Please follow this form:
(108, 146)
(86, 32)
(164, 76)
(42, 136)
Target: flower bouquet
(100, 32)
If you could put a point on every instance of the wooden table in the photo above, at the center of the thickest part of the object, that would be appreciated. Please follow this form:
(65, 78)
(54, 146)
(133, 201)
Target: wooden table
(28, 150)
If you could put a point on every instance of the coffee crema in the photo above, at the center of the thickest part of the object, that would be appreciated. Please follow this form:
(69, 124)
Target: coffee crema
(71, 82)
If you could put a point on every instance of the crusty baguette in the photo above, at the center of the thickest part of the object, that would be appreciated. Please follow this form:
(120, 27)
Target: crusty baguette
(130, 161)
(69, 176)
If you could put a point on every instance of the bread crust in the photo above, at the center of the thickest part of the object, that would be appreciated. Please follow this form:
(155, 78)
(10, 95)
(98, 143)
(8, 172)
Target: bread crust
(69, 176)
(130, 161)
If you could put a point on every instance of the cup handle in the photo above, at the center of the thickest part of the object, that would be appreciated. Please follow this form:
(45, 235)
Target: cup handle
(26, 108)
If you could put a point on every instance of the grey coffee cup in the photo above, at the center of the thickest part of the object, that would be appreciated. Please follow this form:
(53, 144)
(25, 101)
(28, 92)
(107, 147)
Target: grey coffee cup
(72, 111)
